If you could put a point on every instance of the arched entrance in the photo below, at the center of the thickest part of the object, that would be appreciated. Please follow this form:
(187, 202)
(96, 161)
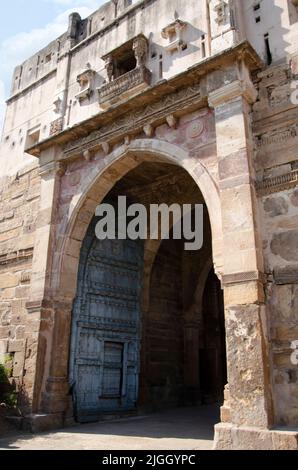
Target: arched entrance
(147, 323)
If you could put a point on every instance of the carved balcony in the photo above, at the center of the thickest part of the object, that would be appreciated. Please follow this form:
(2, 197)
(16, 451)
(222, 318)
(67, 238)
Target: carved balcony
(124, 87)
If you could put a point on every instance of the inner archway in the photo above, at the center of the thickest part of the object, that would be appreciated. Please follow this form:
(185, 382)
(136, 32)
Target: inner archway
(160, 353)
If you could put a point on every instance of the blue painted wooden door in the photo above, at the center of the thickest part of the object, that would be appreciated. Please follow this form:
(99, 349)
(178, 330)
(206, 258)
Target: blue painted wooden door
(105, 346)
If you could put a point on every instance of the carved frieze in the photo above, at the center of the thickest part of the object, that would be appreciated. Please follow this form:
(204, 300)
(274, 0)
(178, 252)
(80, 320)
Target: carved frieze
(16, 257)
(277, 136)
(277, 183)
(130, 83)
(135, 120)
(275, 91)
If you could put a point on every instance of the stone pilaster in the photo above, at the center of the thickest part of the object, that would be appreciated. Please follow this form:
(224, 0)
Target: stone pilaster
(39, 306)
(246, 324)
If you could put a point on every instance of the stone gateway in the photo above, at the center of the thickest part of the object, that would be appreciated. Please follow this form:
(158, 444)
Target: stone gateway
(163, 102)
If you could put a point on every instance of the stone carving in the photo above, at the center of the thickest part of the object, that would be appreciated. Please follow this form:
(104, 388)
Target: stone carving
(172, 121)
(136, 79)
(277, 183)
(277, 137)
(221, 9)
(110, 67)
(274, 90)
(56, 126)
(135, 119)
(195, 129)
(148, 130)
(105, 147)
(58, 105)
(140, 48)
(87, 155)
(16, 256)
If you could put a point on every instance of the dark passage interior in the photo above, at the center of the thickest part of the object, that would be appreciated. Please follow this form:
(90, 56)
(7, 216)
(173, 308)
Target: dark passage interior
(183, 357)
(148, 322)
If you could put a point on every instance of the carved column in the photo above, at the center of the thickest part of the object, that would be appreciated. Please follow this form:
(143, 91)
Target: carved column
(140, 48)
(246, 325)
(110, 67)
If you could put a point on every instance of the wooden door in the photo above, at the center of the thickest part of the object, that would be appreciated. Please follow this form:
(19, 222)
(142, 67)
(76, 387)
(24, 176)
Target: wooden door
(105, 346)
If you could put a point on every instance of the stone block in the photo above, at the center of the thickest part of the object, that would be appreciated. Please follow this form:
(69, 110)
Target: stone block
(250, 438)
(285, 440)
(223, 437)
(8, 280)
(15, 346)
(4, 332)
(18, 364)
(285, 245)
(40, 423)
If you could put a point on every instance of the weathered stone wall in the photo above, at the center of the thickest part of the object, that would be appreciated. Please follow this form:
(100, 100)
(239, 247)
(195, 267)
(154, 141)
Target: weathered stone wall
(275, 123)
(164, 330)
(19, 205)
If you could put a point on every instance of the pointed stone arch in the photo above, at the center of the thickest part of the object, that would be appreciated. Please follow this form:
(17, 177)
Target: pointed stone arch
(102, 179)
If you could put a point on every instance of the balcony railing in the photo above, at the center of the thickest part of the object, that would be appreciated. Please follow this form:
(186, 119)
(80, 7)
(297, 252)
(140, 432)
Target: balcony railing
(124, 87)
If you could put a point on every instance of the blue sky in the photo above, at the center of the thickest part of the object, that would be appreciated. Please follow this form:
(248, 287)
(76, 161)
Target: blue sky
(29, 25)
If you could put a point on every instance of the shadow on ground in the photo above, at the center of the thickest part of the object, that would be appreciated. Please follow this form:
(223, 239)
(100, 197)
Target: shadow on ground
(179, 428)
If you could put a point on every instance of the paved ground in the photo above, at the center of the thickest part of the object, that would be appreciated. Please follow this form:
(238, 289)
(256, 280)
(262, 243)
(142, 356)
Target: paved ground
(182, 428)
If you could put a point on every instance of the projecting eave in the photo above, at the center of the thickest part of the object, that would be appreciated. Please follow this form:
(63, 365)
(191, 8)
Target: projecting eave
(242, 52)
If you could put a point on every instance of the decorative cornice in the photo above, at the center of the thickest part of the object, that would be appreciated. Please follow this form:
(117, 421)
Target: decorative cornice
(277, 183)
(136, 120)
(161, 90)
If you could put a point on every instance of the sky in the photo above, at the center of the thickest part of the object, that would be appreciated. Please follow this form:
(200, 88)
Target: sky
(29, 25)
